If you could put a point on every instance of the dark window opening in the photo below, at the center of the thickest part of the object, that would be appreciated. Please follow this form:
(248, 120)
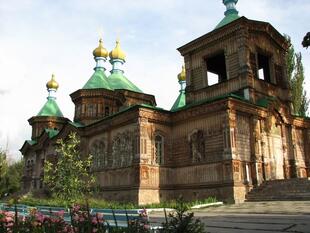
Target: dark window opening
(106, 111)
(263, 67)
(216, 68)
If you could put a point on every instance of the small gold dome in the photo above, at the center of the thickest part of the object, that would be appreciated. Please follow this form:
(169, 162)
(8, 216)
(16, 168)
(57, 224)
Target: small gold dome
(117, 52)
(52, 84)
(182, 75)
(100, 51)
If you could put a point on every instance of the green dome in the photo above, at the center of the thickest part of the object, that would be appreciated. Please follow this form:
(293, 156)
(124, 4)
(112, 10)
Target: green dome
(50, 108)
(117, 80)
(180, 102)
(227, 19)
(231, 13)
(97, 80)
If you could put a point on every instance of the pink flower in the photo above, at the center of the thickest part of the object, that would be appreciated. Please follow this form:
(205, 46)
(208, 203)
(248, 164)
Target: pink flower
(94, 221)
(60, 213)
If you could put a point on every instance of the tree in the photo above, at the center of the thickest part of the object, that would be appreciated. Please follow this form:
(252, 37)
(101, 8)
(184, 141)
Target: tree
(68, 177)
(10, 176)
(290, 60)
(306, 40)
(296, 78)
(3, 171)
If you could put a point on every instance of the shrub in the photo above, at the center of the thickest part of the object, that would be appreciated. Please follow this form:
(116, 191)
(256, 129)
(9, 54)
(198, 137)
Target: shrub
(182, 221)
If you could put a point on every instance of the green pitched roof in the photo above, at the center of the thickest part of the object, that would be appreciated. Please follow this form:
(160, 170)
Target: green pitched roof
(50, 108)
(97, 80)
(76, 124)
(31, 142)
(117, 80)
(180, 102)
(228, 19)
(51, 132)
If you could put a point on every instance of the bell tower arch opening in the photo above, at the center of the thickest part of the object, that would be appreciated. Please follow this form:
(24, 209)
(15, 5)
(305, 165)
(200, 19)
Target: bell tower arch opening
(216, 69)
(264, 67)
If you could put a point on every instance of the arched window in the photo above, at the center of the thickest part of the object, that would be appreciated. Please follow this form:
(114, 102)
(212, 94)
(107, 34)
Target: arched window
(159, 149)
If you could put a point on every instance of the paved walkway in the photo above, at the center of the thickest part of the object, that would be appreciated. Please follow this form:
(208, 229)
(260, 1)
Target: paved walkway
(254, 217)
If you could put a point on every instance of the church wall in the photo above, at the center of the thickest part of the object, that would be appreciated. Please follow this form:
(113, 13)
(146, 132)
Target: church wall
(191, 175)
(29, 160)
(243, 138)
(198, 140)
(307, 147)
(121, 195)
(114, 151)
(221, 192)
(298, 135)
(299, 151)
(290, 151)
(196, 166)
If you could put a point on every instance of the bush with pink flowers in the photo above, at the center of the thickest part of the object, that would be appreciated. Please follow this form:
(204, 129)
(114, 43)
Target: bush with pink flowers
(81, 222)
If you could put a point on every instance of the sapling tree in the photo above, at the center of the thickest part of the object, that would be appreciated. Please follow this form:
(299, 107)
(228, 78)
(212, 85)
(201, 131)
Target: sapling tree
(69, 177)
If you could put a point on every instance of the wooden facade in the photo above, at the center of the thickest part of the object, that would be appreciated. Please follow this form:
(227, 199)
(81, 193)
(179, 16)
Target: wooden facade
(230, 137)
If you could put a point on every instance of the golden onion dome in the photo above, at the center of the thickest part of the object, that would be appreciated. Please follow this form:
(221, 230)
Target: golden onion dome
(117, 52)
(100, 51)
(52, 84)
(182, 75)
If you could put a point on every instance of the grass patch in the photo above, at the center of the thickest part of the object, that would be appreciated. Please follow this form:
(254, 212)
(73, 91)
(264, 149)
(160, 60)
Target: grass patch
(100, 203)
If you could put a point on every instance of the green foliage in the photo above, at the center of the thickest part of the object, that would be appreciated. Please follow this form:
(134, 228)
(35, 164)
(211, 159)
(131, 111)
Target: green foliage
(68, 177)
(290, 60)
(306, 41)
(103, 204)
(175, 203)
(303, 111)
(182, 221)
(10, 176)
(296, 79)
(3, 164)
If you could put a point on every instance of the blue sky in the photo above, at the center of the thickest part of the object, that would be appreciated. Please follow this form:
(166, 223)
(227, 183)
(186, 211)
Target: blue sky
(38, 38)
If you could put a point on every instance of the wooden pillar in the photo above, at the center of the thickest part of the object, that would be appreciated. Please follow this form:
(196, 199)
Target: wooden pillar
(285, 144)
(229, 134)
(229, 150)
(256, 151)
(307, 150)
(292, 161)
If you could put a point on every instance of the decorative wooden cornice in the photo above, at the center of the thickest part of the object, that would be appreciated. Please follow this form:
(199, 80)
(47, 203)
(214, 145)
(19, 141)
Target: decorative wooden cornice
(199, 110)
(242, 25)
(155, 116)
(139, 96)
(100, 92)
(39, 119)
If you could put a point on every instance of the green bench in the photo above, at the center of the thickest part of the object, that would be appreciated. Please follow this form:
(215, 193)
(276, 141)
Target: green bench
(118, 218)
(112, 217)
(22, 210)
(53, 211)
